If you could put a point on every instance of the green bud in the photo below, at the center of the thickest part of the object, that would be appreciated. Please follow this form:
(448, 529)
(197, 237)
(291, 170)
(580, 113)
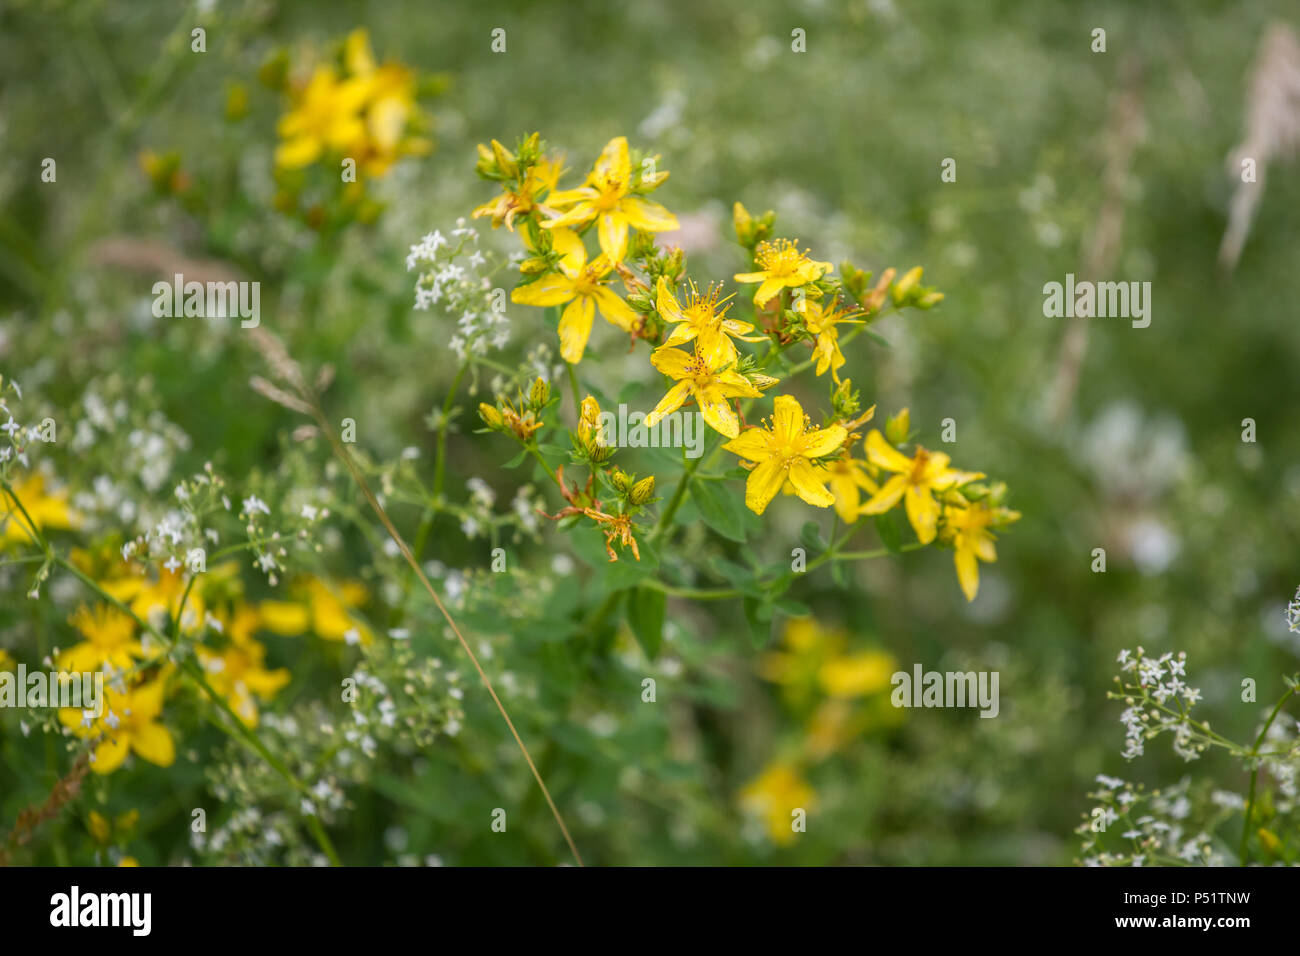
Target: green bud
(898, 427)
(642, 490)
(539, 394)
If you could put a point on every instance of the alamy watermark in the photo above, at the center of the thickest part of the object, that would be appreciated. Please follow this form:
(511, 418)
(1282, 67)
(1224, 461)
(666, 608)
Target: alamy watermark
(950, 689)
(675, 430)
(1102, 300)
(83, 691)
(211, 300)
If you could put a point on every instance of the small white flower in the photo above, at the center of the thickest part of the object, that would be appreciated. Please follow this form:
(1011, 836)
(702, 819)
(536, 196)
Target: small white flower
(254, 504)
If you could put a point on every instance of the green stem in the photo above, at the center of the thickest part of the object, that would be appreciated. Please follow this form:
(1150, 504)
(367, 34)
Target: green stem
(1254, 772)
(440, 466)
(573, 388)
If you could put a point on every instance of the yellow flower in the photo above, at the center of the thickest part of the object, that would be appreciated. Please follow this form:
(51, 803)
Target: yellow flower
(856, 675)
(606, 198)
(968, 530)
(389, 106)
(156, 602)
(326, 116)
(362, 115)
(581, 284)
(129, 723)
(915, 481)
(784, 453)
(821, 321)
(7, 663)
(109, 639)
(238, 673)
(704, 319)
(47, 511)
(709, 379)
(539, 181)
(128, 861)
(101, 831)
(781, 266)
(324, 608)
(847, 478)
(774, 795)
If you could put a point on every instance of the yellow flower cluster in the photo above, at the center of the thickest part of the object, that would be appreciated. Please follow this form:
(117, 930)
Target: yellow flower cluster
(136, 686)
(839, 695)
(797, 299)
(364, 111)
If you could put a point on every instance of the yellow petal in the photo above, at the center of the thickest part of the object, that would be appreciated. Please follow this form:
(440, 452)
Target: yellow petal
(886, 497)
(968, 572)
(672, 362)
(284, 617)
(110, 754)
(669, 403)
(717, 411)
(553, 289)
(575, 328)
(569, 245)
(767, 290)
(613, 236)
(297, 153)
(154, 743)
(614, 309)
(787, 419)
(648, 216)
(922, 512)
(762, 485)
(752, 444)
(807, 482)
(881, 453)
(822, 441)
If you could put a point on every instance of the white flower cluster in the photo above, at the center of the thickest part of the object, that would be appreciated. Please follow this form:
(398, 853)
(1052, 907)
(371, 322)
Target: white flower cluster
(1159, 681)
(478, 519)
(1159, 825)
(1293, 613)
(451, 278)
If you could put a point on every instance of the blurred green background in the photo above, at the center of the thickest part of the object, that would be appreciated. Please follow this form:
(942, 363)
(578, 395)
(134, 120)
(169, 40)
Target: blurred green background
(845, 142)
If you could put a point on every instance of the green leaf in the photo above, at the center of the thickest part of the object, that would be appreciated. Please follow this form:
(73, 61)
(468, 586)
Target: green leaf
(760, 627)
(891, 536)
(811, 537)
(514, 462)
(720, 511)
(645, 612)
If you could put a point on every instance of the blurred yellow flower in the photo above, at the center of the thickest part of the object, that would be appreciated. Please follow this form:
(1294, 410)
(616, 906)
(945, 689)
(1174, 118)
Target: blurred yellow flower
(968, 530)
(7, 663)
(606, 198)
(109, 639)
(857, 675)
(159, 601)
(915, 481)
(781, 266)
(363, 115)
(129, 723)
(784, 452)
(582, 285)
(48, 511)
(847, 478)
(128, 861)
(101, 831)
(775, 795)
(323, 607)
(238, 673)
